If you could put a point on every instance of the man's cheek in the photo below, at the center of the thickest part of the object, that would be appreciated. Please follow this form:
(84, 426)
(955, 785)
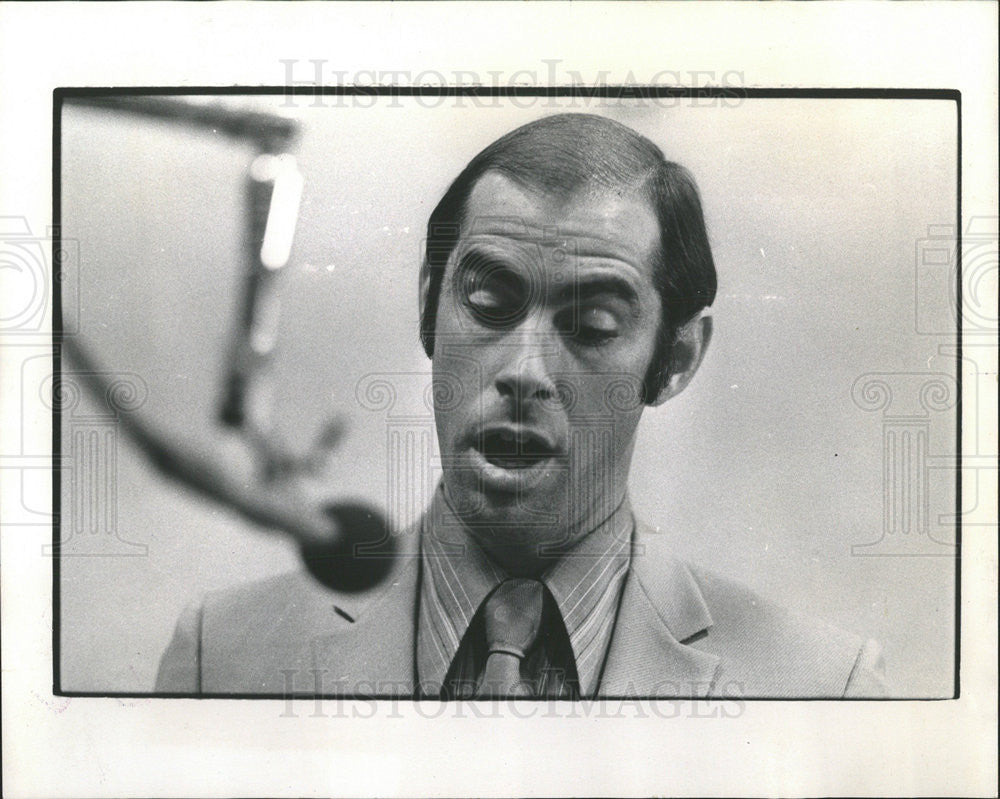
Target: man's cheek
(448, 428)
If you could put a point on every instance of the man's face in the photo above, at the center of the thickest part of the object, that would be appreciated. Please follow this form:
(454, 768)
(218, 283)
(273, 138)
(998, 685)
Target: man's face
(546, 325)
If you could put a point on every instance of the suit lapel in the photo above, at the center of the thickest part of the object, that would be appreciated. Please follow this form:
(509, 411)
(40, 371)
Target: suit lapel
(373, 655)
(661, 609)
(370, 652)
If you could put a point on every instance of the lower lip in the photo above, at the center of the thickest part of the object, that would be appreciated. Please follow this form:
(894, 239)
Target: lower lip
(505, 480)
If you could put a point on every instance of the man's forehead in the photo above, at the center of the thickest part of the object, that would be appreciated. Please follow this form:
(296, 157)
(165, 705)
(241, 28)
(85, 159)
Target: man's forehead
(595, 222)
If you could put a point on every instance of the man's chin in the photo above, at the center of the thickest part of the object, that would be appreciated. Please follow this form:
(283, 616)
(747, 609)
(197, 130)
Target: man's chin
(523, 542)
(526, 511)
(522, 532)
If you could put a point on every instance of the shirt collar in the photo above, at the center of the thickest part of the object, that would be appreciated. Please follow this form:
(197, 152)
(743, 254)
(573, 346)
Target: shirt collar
(586, 583)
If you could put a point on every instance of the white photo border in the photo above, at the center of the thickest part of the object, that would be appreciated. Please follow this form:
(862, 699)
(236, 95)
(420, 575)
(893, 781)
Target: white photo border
(65, 746)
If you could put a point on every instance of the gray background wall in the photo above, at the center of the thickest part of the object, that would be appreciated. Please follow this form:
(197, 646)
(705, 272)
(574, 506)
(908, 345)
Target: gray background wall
(765, 469)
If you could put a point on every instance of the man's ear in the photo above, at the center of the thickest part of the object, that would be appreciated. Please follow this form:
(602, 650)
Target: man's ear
(687, 353)
(424, 288)
(423, 293)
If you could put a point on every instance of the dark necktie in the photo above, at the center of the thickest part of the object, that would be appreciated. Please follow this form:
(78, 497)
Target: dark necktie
(512, 619)
(547, 669)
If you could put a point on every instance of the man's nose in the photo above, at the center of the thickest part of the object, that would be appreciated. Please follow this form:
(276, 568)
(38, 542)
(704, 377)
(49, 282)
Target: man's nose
(525, 373)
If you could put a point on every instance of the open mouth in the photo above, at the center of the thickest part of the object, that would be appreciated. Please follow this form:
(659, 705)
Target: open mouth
(514, 450)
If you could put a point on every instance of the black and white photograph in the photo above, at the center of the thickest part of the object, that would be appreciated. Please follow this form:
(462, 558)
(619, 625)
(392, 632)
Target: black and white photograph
(530, 399)
(619, 370)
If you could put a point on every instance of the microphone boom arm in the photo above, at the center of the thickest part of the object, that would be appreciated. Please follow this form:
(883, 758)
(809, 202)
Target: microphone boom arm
(347, 546)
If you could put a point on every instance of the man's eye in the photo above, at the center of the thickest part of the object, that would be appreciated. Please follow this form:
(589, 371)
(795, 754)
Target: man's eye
(491, 308)
(495, 296)
(483, 299)
(593, 326)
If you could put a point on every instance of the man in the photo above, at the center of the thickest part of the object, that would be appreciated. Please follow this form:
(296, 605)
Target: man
(564, 289)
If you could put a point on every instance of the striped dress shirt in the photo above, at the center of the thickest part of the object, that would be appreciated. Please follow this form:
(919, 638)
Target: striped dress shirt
(584, 589)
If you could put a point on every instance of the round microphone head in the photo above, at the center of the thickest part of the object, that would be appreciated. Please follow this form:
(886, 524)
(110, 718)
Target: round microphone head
(362, 554)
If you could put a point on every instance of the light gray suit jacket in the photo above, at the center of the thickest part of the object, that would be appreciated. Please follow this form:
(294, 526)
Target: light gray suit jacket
(680, 632)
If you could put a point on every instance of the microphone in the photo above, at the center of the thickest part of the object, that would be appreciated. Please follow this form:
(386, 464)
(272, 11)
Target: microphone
(274, 193)
(360, 556)
(361, 552)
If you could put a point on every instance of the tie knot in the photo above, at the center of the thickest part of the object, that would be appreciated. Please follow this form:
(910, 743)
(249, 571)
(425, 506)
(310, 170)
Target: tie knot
(514, 616)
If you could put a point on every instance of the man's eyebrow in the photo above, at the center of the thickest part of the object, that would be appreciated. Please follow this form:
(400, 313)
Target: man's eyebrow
(582, 288)
(479, 258)
(579, 287)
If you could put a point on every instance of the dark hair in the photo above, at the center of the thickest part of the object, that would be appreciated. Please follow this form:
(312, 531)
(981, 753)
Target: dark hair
(563, 154)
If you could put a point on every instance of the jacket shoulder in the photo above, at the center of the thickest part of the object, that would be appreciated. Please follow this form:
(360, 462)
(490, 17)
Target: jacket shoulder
(269, 602)
(766, 650)
(245, 639)
(264, 637)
